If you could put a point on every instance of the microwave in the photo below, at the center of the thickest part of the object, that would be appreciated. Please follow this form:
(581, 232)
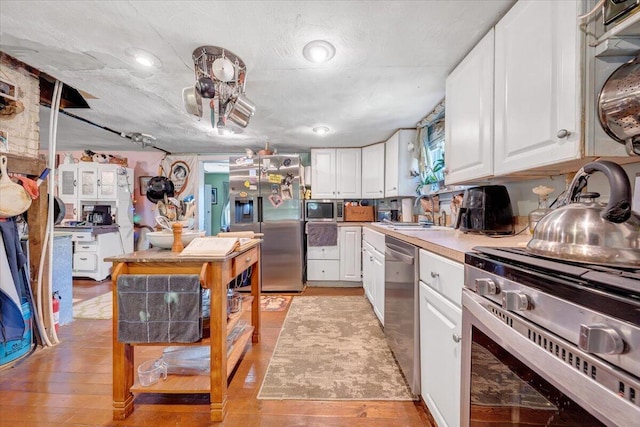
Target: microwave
(324, 210)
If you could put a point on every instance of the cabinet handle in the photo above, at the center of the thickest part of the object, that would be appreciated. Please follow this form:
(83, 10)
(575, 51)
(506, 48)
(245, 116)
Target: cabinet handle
(456, 338)
(248, 259)
(393, 188)
(380, 191)
(370, 258)
(434, 274)
(83, 259)
(563, 133)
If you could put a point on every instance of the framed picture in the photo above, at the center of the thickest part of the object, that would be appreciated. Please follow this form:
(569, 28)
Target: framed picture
(214, 196)
(144, 183)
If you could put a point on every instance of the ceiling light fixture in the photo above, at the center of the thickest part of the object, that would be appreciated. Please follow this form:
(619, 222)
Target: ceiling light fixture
(321, 130)
(143, 57)
(319, 51)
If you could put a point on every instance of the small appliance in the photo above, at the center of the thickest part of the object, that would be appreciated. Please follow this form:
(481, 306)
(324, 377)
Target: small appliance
(98, 215)
(486, 209)
(324, 210)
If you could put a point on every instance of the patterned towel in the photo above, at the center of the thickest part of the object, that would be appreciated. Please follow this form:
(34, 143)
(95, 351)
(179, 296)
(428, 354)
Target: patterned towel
(322, 234)
(159, 308)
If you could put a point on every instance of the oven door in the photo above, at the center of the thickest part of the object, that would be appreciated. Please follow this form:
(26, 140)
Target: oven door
(516, 374)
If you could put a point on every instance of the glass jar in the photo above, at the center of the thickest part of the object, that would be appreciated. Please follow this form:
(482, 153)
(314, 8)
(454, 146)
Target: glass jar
(543, 206)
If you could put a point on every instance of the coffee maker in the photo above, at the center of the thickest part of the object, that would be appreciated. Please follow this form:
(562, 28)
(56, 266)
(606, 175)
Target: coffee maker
(98, 215)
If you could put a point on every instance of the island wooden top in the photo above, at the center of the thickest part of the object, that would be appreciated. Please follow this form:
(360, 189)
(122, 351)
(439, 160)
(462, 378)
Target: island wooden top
(166, 255)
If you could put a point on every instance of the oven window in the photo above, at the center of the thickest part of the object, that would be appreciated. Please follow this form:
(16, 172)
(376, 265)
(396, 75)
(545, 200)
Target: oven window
(505, 392)
(320, 210)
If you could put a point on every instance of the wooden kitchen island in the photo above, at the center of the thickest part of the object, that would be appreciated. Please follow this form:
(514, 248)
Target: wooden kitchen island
(215, 274)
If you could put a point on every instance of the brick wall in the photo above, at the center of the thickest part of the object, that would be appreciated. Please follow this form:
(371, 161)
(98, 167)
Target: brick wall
(23, 128)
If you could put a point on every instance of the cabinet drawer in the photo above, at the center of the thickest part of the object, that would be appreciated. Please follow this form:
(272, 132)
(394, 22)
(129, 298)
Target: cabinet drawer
(85, 261)
(376, 239)
(323, 252)
(323, 270)
(86, 247)
(442, 275)
(82, 236)
(242, 262)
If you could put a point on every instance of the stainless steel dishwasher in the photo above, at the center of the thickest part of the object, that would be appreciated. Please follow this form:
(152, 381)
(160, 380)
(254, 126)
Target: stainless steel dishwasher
(401, 309)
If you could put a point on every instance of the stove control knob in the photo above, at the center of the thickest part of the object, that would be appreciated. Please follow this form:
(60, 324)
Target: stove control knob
(486, 287)
(515, 301)
(600, 339)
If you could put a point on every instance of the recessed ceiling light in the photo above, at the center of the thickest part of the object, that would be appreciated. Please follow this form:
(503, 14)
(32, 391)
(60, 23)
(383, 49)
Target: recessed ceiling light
(321, 130)
(319, 51)
(143, 57)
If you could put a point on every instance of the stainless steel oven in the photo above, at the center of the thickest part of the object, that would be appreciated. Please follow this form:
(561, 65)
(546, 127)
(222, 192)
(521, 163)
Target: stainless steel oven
(548, 343)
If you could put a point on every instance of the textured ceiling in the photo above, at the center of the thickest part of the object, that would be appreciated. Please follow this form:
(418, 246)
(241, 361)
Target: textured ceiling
(391, 61)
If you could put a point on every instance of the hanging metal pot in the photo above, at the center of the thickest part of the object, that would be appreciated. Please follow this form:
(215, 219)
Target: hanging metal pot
(619, 106)
(588, 231)
(241, 111)
(192, 101)
(159, 187)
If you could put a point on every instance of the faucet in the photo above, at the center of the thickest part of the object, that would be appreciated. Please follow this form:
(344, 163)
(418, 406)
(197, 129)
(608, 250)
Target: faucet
(443, 218)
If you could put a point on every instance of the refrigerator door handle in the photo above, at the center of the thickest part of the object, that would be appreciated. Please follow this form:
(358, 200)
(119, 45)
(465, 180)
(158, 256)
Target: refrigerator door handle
(260, 208)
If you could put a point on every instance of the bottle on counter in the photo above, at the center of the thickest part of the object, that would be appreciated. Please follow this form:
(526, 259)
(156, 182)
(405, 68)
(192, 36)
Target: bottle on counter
(543, 205)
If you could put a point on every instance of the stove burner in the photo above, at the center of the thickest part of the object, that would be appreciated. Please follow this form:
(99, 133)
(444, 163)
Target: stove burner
(610, 278)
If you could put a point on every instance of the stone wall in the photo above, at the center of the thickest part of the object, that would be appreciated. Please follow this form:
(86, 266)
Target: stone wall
(22, 128)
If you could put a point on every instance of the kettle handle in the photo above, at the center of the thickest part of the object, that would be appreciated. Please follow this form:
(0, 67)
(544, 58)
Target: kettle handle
(618, 209)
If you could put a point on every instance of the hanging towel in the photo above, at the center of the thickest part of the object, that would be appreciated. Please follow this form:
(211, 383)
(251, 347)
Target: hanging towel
(322, 234)
(159, 308)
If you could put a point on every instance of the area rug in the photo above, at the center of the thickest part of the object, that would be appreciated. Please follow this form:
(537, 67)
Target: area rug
(274, 302)
(332, 348)
(100, 307)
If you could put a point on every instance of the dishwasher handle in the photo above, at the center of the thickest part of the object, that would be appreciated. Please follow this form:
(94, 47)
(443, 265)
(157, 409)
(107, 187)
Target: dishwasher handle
(397, 253)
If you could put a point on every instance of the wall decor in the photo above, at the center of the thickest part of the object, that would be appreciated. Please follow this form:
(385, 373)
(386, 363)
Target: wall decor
(144, 183)
(214, 196)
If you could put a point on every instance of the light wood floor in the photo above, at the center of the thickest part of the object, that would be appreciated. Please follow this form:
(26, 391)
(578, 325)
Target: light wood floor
(70, 385)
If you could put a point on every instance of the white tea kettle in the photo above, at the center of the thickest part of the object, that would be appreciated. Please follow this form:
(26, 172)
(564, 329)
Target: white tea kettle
(588, 231)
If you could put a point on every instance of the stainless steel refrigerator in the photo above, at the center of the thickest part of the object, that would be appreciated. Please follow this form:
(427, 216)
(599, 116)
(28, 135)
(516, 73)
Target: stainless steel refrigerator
(265, 197)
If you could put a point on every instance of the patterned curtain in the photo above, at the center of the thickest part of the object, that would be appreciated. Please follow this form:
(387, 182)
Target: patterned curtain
(181, 170)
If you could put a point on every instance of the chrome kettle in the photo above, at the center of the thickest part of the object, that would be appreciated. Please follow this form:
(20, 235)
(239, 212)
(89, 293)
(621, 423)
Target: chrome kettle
(588, 231)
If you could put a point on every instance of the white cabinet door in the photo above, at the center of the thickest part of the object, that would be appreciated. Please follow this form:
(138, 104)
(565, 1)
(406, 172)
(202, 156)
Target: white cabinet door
(469, 121)
(378, 285)
(87, 182)
(537, 83)
(397, 164)
(440, 331)
(373, 171)
(391, 165)
(367, 271)
(323, 173)
(348, 173)
(350, 242)
(68, 182)
(108, 182)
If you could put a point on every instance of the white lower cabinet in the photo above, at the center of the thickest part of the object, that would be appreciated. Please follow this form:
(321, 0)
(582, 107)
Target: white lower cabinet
(89, 252)
(441, 282)
(373, 270)
(323, 263)
(350, 243)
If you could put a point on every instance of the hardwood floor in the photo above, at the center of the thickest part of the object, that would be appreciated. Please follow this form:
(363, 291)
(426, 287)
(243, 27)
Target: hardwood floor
(70, 385)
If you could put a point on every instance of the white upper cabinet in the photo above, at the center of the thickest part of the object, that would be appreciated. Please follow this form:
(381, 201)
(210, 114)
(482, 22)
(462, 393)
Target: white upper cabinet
(469, 120)
(397, 164)
(537, 86)
(348, 173)
(373, 171)
(323, 173)
(336, 173)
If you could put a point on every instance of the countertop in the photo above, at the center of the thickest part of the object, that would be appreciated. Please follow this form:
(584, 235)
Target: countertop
(449, 242)
(166, 255)
(93, 229)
